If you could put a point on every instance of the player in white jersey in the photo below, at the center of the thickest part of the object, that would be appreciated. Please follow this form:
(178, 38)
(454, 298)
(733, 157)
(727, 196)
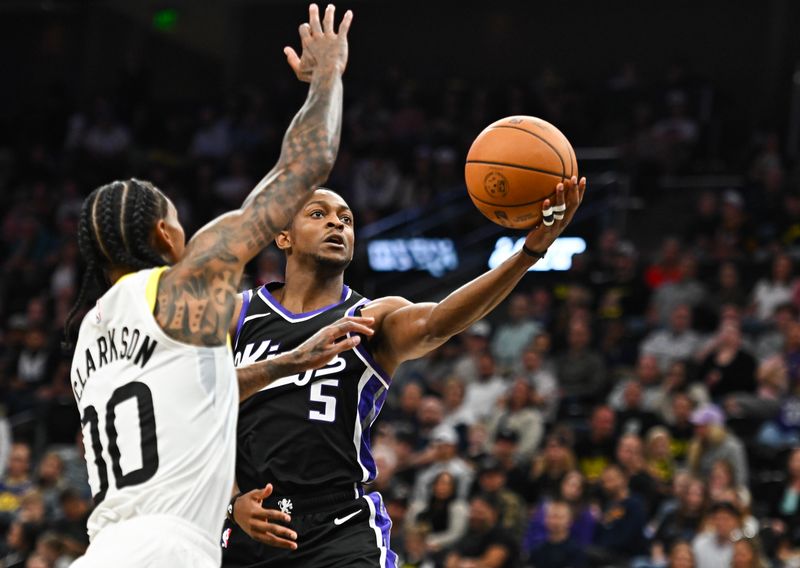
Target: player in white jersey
(152, 372)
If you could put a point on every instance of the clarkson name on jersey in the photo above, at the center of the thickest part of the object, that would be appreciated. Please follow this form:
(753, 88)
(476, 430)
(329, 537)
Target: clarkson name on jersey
(126, 345)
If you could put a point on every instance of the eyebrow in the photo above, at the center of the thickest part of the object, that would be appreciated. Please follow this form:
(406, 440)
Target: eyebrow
(326, 204)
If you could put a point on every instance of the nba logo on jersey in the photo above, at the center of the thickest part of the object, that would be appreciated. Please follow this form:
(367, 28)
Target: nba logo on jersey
(226, 535)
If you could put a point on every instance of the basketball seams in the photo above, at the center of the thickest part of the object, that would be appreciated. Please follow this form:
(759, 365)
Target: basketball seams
(547, 142)
(528, 168)
(507, 206)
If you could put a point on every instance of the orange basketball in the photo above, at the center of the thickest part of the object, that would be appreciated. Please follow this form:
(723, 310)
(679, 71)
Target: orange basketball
(514, 165)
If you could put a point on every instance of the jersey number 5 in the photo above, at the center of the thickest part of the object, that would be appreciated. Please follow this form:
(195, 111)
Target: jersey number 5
(147, 430)
(328, 413)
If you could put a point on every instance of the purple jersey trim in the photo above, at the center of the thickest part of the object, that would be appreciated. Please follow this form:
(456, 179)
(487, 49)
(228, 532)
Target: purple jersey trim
(246, 295)
(362, 350)
(264, 292)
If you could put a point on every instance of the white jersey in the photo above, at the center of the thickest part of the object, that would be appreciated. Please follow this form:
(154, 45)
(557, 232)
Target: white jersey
(159, 416)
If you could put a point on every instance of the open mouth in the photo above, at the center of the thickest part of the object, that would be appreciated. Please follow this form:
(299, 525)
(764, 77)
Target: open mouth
(335, 240)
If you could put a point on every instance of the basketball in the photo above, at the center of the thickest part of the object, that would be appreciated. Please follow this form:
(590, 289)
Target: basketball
(514, 165)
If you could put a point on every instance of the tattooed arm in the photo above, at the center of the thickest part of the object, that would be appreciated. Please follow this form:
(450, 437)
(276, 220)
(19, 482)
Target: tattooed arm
(314, 353)
(196, 297)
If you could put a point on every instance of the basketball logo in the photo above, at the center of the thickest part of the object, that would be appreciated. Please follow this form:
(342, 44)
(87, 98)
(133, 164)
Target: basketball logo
(495, 184)
(515, 121)
(226, 536)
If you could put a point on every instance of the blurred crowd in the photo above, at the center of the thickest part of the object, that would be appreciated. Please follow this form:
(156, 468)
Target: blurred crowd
(644, 411)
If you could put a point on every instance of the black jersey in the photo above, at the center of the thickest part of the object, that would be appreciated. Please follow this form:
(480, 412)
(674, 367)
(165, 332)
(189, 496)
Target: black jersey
(310, 431)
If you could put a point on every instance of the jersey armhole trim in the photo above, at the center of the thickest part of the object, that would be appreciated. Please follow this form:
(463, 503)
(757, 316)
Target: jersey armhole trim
(363, 353)
(151, 287)
(247, 295)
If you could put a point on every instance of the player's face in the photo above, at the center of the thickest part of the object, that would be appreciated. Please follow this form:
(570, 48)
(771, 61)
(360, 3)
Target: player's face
(323, 229)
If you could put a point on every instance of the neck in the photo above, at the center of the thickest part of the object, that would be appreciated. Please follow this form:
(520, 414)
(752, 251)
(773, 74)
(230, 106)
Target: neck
(308, 290)
(559, 536)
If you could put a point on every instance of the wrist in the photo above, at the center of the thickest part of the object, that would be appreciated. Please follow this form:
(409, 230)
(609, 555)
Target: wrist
(231, 511)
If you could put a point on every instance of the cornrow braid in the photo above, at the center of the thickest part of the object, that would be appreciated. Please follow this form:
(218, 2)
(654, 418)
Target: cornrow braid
(114, 231)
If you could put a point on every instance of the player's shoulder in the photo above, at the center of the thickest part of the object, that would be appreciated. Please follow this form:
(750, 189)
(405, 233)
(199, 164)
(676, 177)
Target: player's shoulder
(383, 306)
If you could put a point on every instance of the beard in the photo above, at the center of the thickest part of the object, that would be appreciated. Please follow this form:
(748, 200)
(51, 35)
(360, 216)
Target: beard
(332, 265)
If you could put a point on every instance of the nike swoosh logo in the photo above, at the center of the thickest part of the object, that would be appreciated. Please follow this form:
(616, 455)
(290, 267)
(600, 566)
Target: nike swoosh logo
(256, 316)
(337, 521)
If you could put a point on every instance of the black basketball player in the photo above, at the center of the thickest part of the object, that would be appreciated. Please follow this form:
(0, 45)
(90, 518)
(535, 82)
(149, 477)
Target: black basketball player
(309, 434)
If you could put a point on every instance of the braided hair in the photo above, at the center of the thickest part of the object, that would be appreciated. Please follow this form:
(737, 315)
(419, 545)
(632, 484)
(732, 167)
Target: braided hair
(114, 231)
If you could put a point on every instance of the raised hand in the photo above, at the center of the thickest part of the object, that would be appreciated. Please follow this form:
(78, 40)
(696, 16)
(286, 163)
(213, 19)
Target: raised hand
(569, 196)
(323, 47)
(319, 349)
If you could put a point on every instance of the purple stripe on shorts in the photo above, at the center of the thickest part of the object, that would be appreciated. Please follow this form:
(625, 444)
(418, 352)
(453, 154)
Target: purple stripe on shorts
(384, 524)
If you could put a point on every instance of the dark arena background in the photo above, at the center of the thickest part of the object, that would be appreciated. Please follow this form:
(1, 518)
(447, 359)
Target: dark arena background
(661, 332)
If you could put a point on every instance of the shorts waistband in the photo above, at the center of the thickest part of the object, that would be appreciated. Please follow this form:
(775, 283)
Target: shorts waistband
(310, 503)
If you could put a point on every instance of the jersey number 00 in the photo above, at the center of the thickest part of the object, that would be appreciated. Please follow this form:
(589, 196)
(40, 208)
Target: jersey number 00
(147, 429)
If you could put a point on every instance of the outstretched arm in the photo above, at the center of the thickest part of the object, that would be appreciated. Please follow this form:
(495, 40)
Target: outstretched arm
(196, 297)
(407, 331)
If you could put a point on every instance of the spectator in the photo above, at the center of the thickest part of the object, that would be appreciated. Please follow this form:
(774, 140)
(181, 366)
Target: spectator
(667, 268)
(747, 554)
(516, 412)
(683, 523)
(772, 340)
(634, 418)
(16, 482)
(456, 414)
(702, 226)
(659, 460)
(734, 237)
(492, 480)
(476, 343)
(681, 556)
(727, 368)
(414, 552)
(20, 541)
(771, 292)
(72, 527)
(482, 394)
(680, 426)
(714, 547)
(686, 290)
(728, 289)
(712, 442)
(597, 447)
(559, 550)
(50, 480)
(630, 457)
(582, 519)
(784, 510)
(444, 444)
(580, 369)
(512, 336)
(486, 543)
(547, 470)
(648, 375)
(722, 485)
(444, 516)
(619, 536)
(545, 395)
(678, 342)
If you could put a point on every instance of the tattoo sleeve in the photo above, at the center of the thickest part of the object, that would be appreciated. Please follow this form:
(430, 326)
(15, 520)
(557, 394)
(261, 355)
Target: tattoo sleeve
(255, 377)
(196, 297)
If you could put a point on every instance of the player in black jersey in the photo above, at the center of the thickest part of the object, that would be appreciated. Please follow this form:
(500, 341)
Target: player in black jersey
(309, 434)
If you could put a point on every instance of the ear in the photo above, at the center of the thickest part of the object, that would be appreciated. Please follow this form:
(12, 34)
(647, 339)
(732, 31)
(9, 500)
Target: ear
(161, 238)
(283, 240)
